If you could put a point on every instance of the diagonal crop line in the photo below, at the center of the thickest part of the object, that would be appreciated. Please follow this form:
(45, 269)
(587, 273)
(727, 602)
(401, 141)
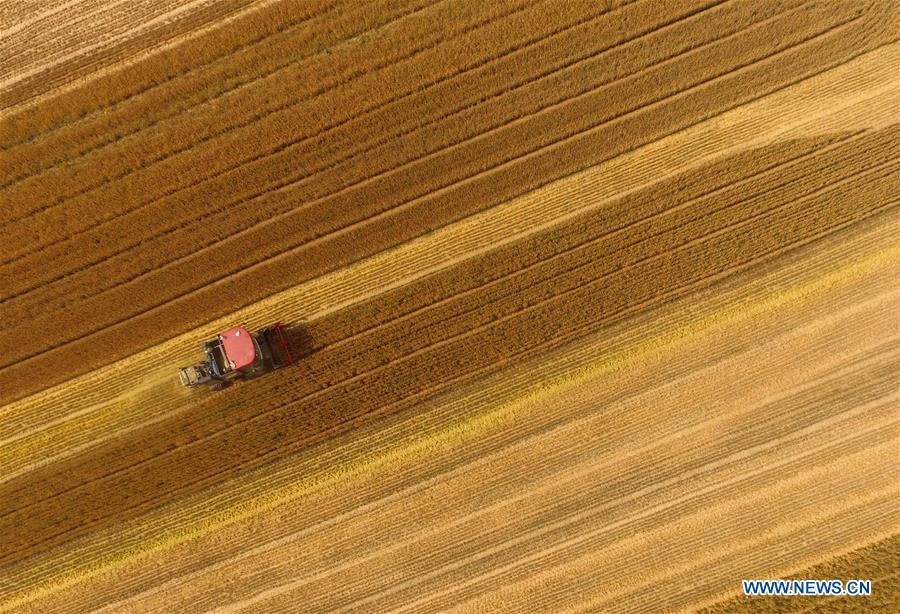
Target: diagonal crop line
(182, 110)
(255, 118)
(728, 228)
(857, 365)
(112, 104)
(501, 294)
(409, 203)
(426, 482)
(293, 181)
(383, 214)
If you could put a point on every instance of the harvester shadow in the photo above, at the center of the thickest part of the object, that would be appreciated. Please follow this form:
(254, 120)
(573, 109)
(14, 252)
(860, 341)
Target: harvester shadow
(299, 339)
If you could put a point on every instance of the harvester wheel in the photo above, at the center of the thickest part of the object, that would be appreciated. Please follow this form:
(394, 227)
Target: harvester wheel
(217, 385)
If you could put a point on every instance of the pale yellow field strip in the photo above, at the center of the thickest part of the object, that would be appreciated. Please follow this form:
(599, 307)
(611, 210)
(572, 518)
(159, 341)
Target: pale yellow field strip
(17, 16)
(415, 445)
(570, 491)
(34, 430)
(594, 557)
(560, 451)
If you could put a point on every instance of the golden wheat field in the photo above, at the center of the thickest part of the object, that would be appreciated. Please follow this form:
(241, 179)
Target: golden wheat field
(595, 304)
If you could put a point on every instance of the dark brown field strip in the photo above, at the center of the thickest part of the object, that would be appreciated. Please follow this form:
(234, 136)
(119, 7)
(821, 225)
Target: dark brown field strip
(117, 270)
(806, 63)
(81, 65)
(228, 76)
(250, 438)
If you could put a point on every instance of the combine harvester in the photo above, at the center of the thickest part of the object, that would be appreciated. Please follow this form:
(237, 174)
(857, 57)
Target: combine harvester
(237, 354)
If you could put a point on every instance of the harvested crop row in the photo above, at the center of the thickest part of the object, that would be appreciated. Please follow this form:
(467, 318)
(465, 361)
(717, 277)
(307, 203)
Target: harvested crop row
(852, 515)
(489, 477)
(586, 146)
(297, 36)
(489, 541)
(83, 65)
(423, 373)
(270, 99)
(26, 52)
(472, 122)
(811, 262)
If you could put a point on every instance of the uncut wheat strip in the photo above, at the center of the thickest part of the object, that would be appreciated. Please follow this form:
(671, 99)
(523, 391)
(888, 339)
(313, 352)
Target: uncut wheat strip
(539, 548)
(241, 119)
(228, 64)
(614, 548)
(46, 449)
(284, 243)
(109, 93)
(205, 504)
(151, 17)
(482, 230)
(132, 59)
(572, 479)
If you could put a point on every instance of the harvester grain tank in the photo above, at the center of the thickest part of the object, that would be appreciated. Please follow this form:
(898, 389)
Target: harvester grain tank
(237, 354)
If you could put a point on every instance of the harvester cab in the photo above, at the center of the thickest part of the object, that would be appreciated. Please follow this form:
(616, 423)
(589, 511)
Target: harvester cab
(238, 354)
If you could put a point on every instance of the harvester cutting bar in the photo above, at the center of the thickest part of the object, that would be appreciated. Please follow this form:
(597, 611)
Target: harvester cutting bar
(278, 327)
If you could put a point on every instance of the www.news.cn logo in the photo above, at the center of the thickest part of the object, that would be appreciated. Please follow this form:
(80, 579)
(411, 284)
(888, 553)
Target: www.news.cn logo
(796, 588)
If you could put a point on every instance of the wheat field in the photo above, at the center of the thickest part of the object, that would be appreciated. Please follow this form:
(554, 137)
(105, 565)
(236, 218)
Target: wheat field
(595, 304)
